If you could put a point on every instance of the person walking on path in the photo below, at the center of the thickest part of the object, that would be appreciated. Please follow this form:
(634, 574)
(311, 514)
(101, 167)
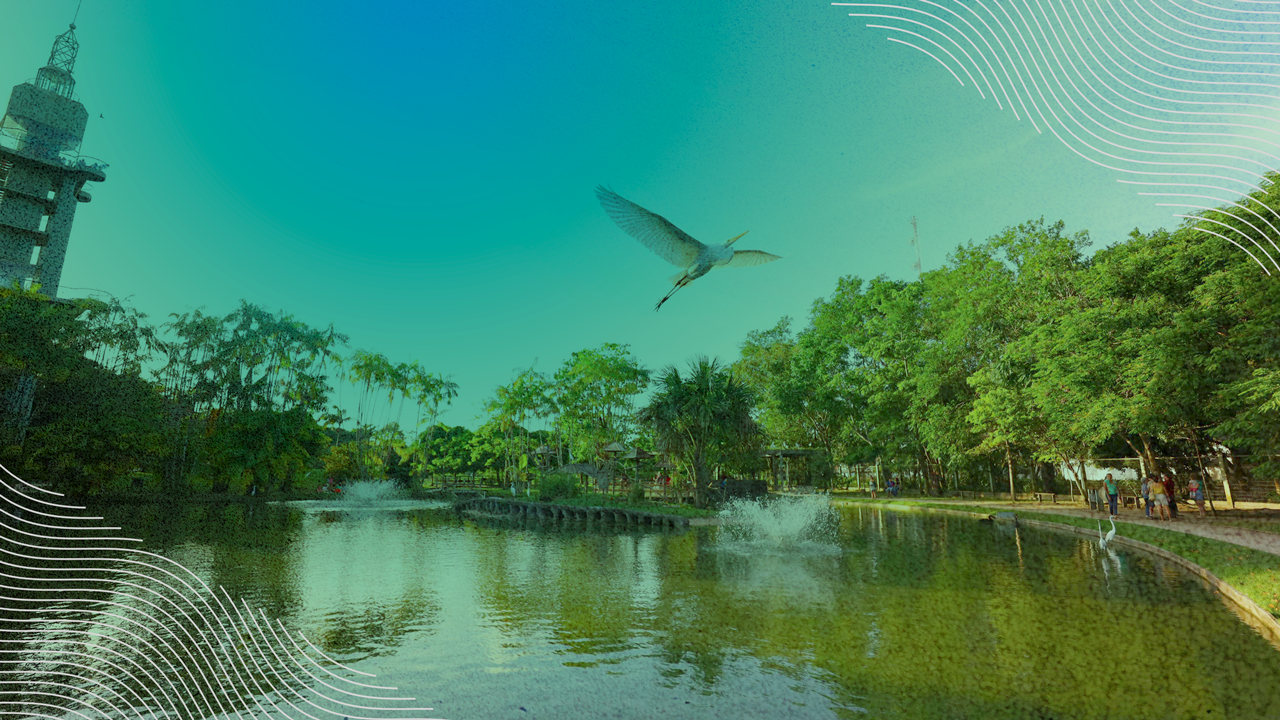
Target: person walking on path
(873, 488)
(1146, 494)
(1172, 498)
(1161, 501)
(1196, 491)
(1113, 491)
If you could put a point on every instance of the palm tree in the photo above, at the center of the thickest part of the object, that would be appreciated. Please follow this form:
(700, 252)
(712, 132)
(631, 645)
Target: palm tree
(702, 419)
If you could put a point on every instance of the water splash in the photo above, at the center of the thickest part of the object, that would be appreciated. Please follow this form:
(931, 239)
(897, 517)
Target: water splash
(371, 492)
(806, 522)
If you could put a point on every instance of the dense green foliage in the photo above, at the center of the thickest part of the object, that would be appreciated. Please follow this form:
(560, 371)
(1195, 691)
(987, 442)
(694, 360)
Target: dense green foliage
(92, 393)
(556, 486)
(703, 419)
(1022, 354)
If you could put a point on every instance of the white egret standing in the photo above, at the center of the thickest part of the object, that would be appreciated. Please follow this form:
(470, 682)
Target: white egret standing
(1102, 541)
(673, 244)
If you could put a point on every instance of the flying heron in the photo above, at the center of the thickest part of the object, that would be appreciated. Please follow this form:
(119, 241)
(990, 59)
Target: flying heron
(673, 244)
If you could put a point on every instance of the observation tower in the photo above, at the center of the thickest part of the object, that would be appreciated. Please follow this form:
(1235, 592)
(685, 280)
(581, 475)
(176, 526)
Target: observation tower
(42, 173)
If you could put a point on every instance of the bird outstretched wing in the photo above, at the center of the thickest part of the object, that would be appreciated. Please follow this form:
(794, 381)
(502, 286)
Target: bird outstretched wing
(653, 231)
(749, 258)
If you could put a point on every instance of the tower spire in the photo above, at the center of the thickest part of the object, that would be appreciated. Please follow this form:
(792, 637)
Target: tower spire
(55, 76)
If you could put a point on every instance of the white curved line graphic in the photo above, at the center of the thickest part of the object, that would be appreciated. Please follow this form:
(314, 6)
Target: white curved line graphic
(1174, 90)
(935, 57)
(106, 630)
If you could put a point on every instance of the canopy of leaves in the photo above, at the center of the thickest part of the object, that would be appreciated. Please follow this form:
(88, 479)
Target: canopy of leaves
(703, 419)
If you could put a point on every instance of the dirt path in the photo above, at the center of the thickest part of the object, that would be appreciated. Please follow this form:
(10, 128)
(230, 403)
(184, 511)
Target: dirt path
(1188, 521)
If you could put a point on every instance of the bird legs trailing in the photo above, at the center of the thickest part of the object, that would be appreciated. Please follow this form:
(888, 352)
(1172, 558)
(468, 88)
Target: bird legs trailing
(685, 280)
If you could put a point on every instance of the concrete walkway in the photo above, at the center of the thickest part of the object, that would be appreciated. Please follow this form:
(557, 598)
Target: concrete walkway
(1188, 520)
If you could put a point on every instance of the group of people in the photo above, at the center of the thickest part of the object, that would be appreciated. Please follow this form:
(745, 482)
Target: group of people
(1158, 492)
(892, 487)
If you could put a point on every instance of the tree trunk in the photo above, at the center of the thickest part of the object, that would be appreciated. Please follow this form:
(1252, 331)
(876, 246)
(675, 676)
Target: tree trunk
(1204, 474)
(1226, 481)
(1008, 457)
(701, 481)
(927, 480)
(1151, 455)
(1079, 475)
(1046, 477)
(1143, 468)
(287, 484)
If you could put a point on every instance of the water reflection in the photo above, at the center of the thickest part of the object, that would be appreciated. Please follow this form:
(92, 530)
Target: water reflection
(898, 615)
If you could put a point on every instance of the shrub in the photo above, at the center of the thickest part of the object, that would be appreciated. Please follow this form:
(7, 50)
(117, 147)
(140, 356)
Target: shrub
(340, 462)
(554, 487)
(398, 469)
(637, 492)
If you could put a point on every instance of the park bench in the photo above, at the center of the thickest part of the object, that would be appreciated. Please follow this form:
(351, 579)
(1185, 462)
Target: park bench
(1040, 496)
(967, 493)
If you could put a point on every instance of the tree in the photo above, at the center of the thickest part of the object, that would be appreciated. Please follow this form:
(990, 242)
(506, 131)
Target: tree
(428, 392)
(878, 322)
(258, 445)
(594, 393)
(996, 297)
(220, 369)
(806, 393)
(447, 450)
(40, 342)
(528, 396)
(702, 419)
(92, 426)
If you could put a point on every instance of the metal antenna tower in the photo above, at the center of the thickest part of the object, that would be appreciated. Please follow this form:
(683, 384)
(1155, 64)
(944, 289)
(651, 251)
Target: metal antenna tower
(915, 243)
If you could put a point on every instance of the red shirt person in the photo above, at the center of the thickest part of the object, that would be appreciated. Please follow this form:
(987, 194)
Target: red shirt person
(1168, 489)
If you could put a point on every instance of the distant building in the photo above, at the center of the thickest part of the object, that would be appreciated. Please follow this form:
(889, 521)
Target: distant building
(42, 174)
(1094, 473)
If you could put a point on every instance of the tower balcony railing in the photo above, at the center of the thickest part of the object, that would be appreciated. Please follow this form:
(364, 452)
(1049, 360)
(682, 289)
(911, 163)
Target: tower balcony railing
(73, 96)
(70, 160)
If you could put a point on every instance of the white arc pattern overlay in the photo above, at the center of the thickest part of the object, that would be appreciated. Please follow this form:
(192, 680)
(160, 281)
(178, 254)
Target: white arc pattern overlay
(1181, 97)
(92, 628)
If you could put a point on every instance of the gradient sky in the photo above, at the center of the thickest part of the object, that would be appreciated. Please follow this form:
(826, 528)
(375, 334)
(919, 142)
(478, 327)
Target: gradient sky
(421, 175)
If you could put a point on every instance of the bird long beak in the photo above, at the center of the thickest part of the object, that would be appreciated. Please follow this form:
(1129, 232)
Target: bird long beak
(730, 241)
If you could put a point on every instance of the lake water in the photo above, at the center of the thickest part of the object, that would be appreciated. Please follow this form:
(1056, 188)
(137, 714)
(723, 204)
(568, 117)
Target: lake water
(894, 615)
